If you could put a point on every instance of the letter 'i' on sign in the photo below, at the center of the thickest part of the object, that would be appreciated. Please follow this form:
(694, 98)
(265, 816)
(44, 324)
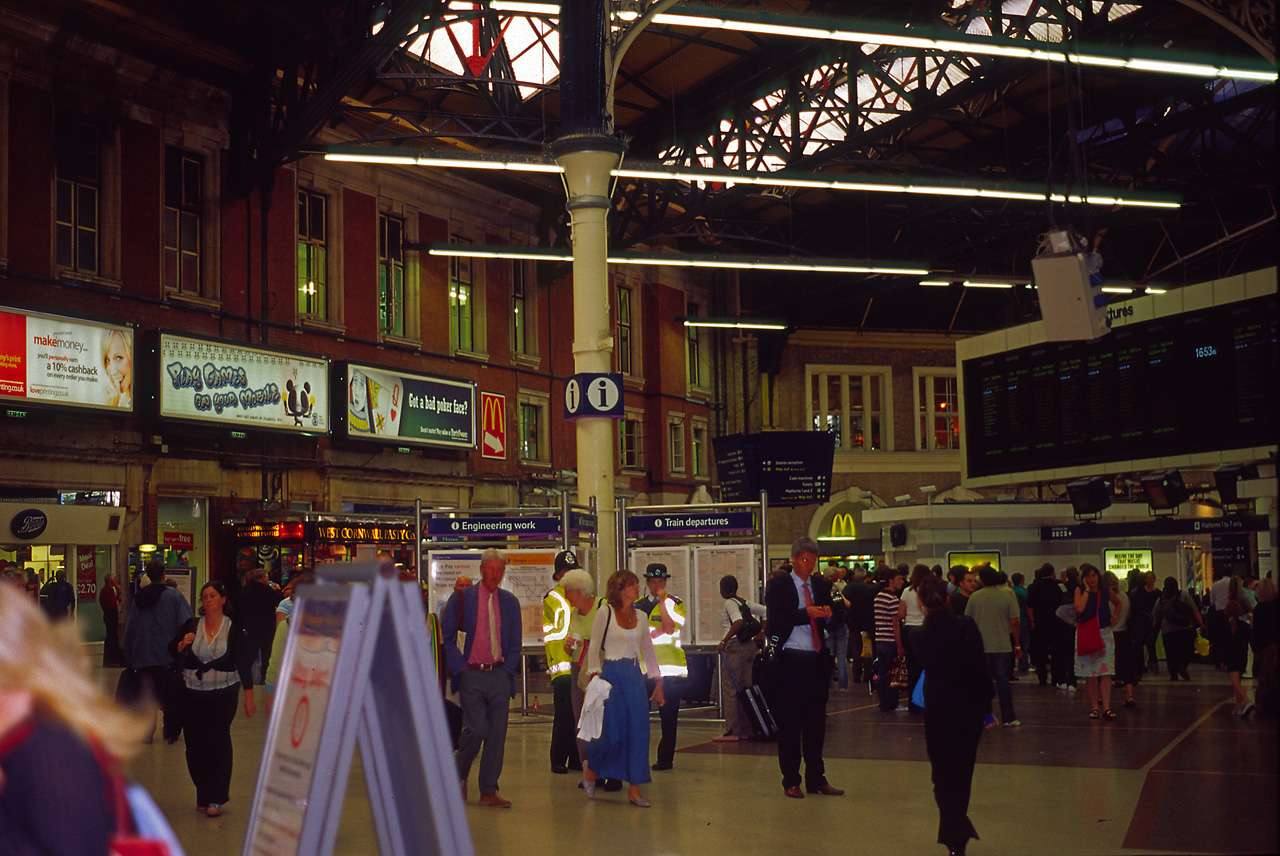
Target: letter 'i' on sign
(597, 395)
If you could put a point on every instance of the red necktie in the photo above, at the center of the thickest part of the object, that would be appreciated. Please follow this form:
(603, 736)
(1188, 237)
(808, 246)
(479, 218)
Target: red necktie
(813, 622)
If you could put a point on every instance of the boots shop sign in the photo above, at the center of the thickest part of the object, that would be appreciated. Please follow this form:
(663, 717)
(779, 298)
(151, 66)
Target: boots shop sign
(244, 388)
(28, 524)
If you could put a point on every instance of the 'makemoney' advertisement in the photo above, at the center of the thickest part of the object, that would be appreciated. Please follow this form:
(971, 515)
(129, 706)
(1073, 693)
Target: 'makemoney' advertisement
(45, 359)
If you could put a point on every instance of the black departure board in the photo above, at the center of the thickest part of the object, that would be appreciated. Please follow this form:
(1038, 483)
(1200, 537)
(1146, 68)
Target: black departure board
(793, 467)
(1196, 382)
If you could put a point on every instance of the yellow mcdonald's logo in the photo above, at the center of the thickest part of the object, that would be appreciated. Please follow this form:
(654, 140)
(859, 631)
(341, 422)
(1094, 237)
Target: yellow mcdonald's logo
(843, 526)
(493, 412)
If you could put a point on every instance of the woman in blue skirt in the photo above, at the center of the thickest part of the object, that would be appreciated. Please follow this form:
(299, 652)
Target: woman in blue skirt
(622, 749)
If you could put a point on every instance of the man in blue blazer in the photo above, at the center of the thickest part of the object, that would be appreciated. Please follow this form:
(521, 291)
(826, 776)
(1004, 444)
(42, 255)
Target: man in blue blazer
(799, 606)
(484, 671)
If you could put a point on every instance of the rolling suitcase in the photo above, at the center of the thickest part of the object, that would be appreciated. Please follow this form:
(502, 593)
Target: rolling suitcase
(757, 709)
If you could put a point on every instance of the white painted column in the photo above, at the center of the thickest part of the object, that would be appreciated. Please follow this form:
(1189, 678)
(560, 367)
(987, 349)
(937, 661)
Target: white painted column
(588, 161)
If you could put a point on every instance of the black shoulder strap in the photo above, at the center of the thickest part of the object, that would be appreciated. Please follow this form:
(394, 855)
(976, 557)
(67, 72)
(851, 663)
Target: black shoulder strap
(605, 635)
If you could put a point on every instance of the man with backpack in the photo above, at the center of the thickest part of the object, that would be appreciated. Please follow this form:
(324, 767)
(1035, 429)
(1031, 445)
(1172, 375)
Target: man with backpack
(743, 624)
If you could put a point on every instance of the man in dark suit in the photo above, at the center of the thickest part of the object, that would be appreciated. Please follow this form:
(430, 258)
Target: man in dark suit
(484, 672)
(798, 606)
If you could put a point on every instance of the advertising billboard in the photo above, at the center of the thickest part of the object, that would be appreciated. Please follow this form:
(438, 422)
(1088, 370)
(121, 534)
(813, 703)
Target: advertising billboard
(47, 359)
(396, 407)
(242, 387)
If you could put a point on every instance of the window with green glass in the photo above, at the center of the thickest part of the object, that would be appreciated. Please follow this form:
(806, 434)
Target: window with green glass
(622, 337)
(390, 275)
(461, 300)
(312, 254)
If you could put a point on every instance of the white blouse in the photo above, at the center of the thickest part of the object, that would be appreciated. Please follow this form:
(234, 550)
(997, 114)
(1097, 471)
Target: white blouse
(621, 643)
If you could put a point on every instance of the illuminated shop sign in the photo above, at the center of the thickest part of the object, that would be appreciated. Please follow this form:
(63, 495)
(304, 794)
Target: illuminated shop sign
(364, 533)
(404, 408)
(46, 359)
(242, 387)
(1121, 562)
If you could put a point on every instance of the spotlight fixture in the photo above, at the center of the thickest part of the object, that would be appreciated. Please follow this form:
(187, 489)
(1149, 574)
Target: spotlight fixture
(1227, 480)
(1088, 497)
(1165, 491)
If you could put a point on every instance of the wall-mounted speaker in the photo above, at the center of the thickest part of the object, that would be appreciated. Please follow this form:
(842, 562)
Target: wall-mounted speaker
(1072, 307)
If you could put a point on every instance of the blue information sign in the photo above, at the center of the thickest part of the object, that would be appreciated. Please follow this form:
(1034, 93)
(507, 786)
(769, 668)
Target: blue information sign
(478, 527)
(649, 524)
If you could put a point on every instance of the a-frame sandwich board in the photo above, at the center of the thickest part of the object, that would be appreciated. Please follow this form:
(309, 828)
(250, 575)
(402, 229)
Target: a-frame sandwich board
(357, 669)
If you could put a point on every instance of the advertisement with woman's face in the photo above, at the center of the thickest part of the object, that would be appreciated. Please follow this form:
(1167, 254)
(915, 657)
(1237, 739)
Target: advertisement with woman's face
(47, 359)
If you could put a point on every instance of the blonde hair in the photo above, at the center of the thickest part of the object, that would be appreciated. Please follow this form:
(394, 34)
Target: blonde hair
(49, 661)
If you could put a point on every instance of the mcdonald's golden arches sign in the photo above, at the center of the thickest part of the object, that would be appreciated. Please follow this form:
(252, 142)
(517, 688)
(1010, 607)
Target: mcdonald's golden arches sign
(493, 426)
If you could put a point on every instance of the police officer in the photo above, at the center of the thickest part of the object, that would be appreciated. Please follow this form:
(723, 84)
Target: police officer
(555, 631)
(666, 620)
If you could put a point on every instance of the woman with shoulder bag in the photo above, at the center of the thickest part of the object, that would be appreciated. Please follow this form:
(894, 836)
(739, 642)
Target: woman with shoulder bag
(622, 749)
(61, 742)
(1095, 604)
(216, 658)
(1176, 617)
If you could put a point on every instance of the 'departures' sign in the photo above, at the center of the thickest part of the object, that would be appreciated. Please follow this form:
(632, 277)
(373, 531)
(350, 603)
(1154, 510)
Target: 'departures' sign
(404, 408)
(46, 359)
(242, 387)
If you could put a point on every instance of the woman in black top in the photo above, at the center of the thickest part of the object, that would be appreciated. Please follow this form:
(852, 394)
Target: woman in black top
(216, 658)
(957, 693)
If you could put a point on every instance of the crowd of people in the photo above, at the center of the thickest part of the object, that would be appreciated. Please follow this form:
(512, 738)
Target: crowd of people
(943, 649)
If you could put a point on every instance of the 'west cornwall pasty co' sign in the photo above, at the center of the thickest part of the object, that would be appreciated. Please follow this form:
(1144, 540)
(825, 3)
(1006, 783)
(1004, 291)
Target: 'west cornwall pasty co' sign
(242, 387)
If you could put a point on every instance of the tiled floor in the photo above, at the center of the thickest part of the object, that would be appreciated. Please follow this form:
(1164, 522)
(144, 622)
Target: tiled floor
(1177, 774)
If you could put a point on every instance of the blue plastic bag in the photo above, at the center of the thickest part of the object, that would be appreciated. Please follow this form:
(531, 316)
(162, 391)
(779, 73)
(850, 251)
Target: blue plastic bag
(917, 695)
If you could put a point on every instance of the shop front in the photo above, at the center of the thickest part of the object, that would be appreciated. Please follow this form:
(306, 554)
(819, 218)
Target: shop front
(77, 541)
(286, 543)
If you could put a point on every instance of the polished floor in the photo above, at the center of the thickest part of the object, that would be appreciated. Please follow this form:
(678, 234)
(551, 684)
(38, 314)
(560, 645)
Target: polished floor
(1177, 774)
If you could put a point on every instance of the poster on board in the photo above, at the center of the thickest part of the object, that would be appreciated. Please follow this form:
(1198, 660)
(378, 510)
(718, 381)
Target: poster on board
(47, 359)
(528, 577)
(679, 566)
(710, 563)
(242, 387)
(303, 699)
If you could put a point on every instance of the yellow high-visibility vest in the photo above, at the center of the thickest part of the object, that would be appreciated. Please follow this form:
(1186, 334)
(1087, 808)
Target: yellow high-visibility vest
(667, 646)
(555, 630)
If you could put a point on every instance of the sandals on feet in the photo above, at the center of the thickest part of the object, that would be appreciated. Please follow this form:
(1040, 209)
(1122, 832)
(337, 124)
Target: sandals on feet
(1093, 714)
(1108, 714)
(1130, 703)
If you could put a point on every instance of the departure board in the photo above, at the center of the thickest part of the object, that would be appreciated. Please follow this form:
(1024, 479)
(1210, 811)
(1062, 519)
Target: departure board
(793, 467)
(1195, 382)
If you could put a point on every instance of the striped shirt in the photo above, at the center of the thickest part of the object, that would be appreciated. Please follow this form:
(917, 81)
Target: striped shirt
(886, 609)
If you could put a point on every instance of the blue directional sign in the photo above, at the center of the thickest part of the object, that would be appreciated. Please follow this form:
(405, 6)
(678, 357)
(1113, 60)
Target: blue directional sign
(480, 526)
(720, 521)
(598, 395)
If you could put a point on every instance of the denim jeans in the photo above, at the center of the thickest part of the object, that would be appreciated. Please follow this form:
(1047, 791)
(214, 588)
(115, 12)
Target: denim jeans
(999, 668)
(886, 653)
(838, 642)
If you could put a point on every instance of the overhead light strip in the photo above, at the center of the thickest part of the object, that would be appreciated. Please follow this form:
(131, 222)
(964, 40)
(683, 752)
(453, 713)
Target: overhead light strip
(779, 263)
(731, 177)
(735, 323)
(948, 42)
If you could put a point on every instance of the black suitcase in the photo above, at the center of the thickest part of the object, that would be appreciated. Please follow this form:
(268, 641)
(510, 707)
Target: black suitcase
(757, 709)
